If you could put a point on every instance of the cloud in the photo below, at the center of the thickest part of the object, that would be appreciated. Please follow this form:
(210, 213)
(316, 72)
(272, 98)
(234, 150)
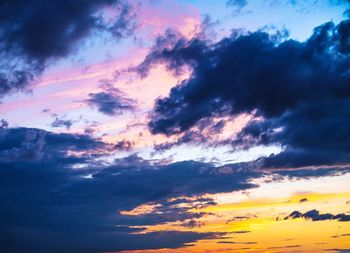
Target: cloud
(342, 235)
(41, 240)
(124, 145)
(3, 123)
(315, 215)
(238, 218)
(56, 188)
(285, 247)
(31, 144)
(230, 242)
(192, 224)
(305, 5)
(238, 5)
(33, 34)
(62, 123)
(339, 250)
(111, 101)
(296, 92)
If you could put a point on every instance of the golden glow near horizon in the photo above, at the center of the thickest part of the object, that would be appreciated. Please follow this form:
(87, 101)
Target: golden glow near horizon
(254, 220)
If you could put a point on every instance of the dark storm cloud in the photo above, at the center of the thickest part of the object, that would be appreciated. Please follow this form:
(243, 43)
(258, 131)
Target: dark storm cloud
(111, 102)
(58, 196)
(34, 33)
(315, 215)
(299, 90)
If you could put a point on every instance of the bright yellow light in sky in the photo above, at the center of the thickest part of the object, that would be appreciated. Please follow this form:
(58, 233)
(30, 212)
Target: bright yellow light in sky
(255, 220)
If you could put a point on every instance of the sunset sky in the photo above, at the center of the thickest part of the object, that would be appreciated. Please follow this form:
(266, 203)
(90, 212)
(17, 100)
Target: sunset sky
(174, 126)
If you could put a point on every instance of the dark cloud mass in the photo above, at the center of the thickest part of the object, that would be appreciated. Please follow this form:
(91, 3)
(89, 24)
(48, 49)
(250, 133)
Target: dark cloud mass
(58, 196)
(297, 91)
(34, 33)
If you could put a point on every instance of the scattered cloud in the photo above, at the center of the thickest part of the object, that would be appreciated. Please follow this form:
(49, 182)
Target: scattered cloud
(124, 145)
(303, 200)
(62, 123)
(315, 215)
(111, 101)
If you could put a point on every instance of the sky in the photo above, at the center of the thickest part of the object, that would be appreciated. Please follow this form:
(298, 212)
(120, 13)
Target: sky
(174, 126)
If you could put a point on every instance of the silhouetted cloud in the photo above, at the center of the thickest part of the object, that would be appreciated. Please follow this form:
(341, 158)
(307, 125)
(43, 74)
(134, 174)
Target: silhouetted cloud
(342, 235)
(192, 224)
(297, 92)
(239, 218)
(315, 215)
(231, 242)
(339, 250)
(34, 33)
(285, 247)
(303, 200)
